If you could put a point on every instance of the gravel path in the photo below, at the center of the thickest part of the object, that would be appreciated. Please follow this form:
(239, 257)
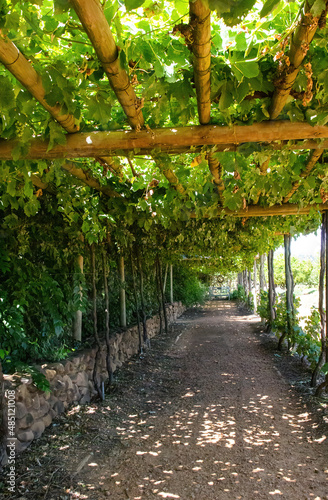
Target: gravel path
(205, 416)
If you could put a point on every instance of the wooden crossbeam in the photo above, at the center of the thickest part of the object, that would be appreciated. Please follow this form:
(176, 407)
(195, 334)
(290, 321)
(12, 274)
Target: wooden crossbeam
(93, 19)
(314, 157)
(274, 210)
(95, 144)
(200, 20)
(298, 49)
(24, 72)
(87, 179)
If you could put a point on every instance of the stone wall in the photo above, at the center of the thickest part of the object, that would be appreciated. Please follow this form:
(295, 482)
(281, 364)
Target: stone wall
(71, 381)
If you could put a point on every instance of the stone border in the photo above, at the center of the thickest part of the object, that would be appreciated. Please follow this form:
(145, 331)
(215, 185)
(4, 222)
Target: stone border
(71, 380)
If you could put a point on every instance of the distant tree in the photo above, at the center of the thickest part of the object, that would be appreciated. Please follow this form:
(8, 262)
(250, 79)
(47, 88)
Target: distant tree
(305, 271)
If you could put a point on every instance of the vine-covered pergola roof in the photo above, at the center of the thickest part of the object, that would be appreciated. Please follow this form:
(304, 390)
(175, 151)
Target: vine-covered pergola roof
(171, 111)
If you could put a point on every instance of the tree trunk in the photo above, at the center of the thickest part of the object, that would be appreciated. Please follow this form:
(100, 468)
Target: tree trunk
(240, 279)
(322, 357)
(95, 326)
(165, 277)
(255, 287)
(3, 421)
(143, 310)
(77, 328)
(249, 288)
(122, 292)
(272, 292)
(107, 334)
(245, 282)
(171, 283)
(289, 295)
(262, 275)
(135, 293)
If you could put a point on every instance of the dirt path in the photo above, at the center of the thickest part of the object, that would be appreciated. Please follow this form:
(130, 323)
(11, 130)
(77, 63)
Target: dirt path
(209, 418)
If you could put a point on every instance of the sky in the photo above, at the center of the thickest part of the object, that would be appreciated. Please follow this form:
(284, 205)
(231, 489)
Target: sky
(304, 246)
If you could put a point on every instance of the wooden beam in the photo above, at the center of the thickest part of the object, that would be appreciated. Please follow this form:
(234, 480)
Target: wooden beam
(274, 210)
(92, 17)
(24, 72)
(200, 20)
(299, 46)
(314, 157)
(95, 144)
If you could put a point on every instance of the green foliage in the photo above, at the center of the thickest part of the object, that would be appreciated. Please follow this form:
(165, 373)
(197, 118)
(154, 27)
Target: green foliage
(307, 340)
(239, 294)
(187, 287)
(305, 271)
(263, 307)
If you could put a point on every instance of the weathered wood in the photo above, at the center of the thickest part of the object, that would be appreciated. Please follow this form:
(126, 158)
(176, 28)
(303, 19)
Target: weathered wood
(200, 20)
(95, 144)
(217, 173)
(162, 163)
(322, 357)
(289, 294)
(314, 157)
(272, 292)
(92, 17)
(299, 46)
(262, 275)
(77, 324)
(122, 291)
(274, 210)
(171, 283)
(136, 302)
(107, 333)
(24, 72)
(95, 377)
(255, 286)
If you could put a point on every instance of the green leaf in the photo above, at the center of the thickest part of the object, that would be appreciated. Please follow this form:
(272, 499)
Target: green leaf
(324, 368)
(241, 44)
(249, 69)
(133, 4)
(226, 98)
(7, 96)
(268, 7)
(57, 135)
(318, 7)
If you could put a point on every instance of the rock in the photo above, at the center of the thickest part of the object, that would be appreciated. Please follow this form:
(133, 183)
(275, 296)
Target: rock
(59, 407)
(49, 374)
(57, 367)
(38, 428)
(68, 382)
(81, 379)
(26, 436)
(21, 410)
(47, 419)
(69, 367)
(41, 411)
(25, 422)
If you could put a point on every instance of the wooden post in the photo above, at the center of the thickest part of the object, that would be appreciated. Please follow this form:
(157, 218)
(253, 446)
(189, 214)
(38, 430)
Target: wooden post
(171, 283)
(289, 293)
(272, 293)
(322, 357)
(255, 286)
(122, 292)
(165, 277)
(249, 287)
(262, 275)
(3, 422)
(77, 326)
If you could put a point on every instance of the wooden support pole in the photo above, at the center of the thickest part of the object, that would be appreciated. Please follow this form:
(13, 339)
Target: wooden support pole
(100, 143)
(24, 72)
(77, 326)
(272, 292)
(122, 292)
(171, 283)
(262, 275)
(255, 287)
(200, 20)
(289, 293)
(91, 15)
(314, 157)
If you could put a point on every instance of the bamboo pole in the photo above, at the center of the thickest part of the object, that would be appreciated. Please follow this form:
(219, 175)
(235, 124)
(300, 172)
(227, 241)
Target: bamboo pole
(314, 157)
(299, 46)
(95, 144)
(92, 17)
(200, 20)
(24, 72)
